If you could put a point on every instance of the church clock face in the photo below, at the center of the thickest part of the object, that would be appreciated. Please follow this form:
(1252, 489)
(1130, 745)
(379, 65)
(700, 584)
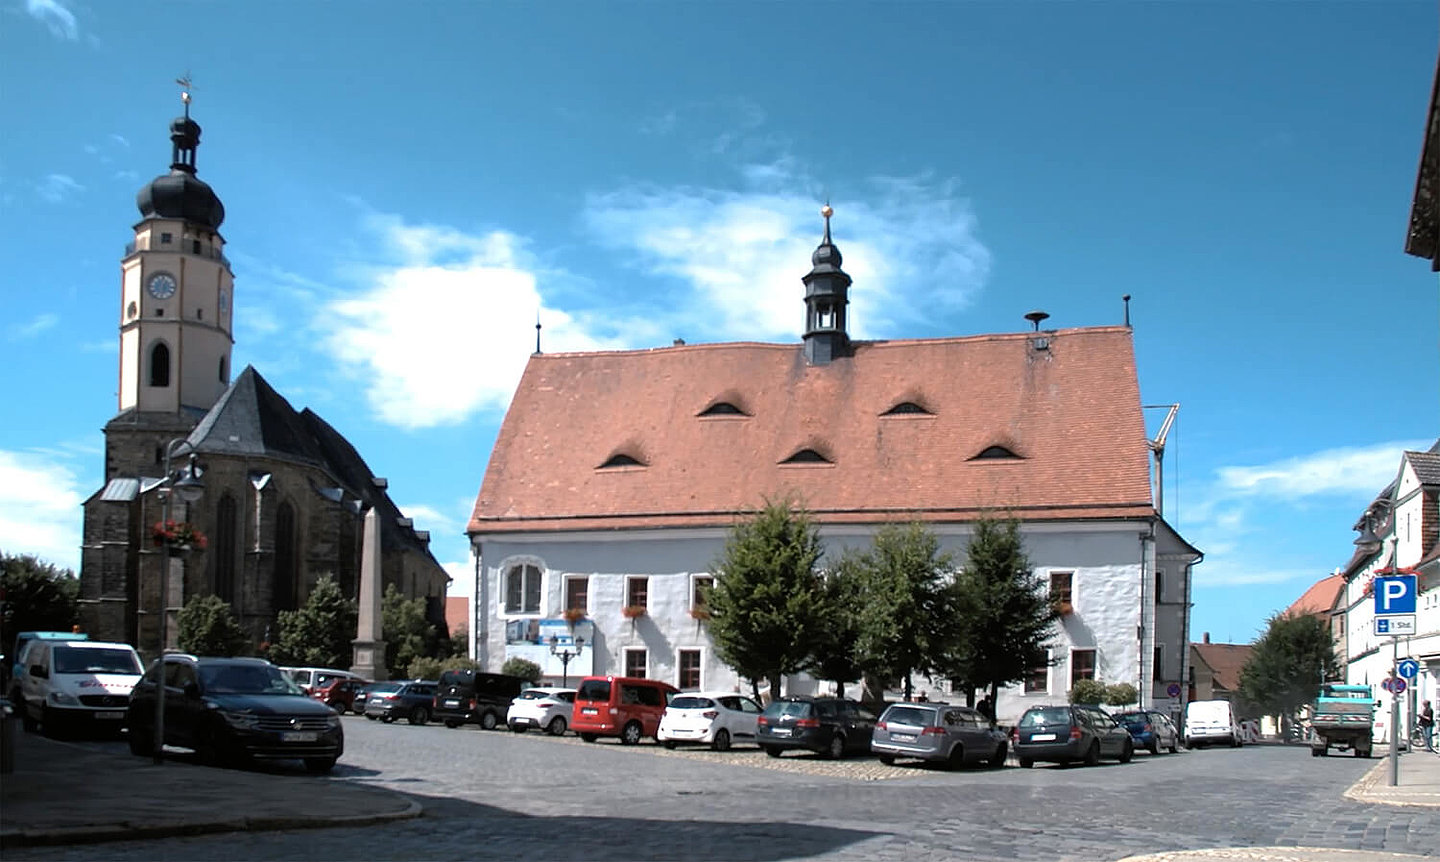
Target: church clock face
(161, 285)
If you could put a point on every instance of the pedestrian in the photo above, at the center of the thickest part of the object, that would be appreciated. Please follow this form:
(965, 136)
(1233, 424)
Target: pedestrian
(923, 698)
(986, 708)
(1427, 724)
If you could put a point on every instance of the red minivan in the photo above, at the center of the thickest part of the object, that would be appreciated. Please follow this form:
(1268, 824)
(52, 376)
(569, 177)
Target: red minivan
(624, 706)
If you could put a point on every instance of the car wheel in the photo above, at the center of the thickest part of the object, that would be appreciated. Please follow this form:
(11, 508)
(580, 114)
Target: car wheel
(388, 719)
(1127, 752)
(836, 749)
(320, 764)
(141, 741)
(451, 723)
(1026, 763)
(669, 744)
(722, 740)
(419, 715)
(1175, 746)
(1154, 746)
(771, 751)
(557, 726)
(631, 733)
(589, 737)
(1315, 752)
(1092, 757)
(488, 720)
(371, 717)
(208, 747)
(887, 759)
(956, 759)
(358, 710)
(518, 728)
(1362, 752)
(997, 760)
(49, 725)
(27, 720)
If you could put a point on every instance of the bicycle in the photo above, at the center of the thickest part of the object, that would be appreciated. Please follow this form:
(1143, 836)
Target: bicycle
(1417, 737)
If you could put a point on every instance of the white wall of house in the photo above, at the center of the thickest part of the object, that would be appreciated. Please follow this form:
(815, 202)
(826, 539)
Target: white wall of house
(1112, 582)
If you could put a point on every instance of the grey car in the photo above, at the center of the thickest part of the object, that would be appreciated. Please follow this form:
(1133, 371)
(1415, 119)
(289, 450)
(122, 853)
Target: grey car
(954, 735)
(1066, 734)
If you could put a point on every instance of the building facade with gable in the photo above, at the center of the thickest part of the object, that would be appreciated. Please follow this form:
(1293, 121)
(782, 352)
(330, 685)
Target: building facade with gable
(284, 492)
(616, 477)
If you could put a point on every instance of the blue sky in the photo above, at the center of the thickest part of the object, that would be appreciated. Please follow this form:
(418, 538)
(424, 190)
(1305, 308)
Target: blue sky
(406, 185)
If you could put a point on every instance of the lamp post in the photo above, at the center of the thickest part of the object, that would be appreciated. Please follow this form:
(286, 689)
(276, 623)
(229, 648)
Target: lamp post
(186, 483)
(565, 654)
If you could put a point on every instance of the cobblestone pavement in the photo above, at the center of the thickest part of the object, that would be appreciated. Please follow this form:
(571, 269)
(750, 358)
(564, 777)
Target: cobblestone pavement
(494, 795)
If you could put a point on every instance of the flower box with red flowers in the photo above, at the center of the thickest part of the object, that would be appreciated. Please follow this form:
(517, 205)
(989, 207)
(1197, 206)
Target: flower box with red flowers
(633, 611)
(177, 534)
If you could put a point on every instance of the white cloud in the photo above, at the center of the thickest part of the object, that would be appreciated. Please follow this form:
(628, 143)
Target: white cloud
(40, 512)
(462, 577)
(120, 139)
(22, 331)
(1352, 470)
(444, 329)
(908, 243)
(55, 188)
(52, 13)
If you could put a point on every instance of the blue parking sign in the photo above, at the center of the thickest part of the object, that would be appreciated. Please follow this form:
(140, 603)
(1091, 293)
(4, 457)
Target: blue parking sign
(1394, 594)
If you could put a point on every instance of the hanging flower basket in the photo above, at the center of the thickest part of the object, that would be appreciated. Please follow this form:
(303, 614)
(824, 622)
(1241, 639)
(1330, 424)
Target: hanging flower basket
(632, 612)
(181, 535)
(573, 615)
(701, 614)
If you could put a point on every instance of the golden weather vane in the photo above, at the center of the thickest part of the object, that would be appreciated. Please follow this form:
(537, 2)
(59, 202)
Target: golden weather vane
(186, 85)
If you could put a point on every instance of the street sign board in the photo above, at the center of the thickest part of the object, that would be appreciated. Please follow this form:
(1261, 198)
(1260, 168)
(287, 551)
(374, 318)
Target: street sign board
(1409, 668)
(1173, 689)
(1394, 594)
(1395, 625)
(1393, 684)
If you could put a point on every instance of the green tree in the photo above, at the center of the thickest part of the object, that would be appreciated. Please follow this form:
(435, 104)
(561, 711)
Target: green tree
(906, 616)
(320, 633)
(207, 626)
(39, 596)
(423, 667)
(833, 653)
(1004, 618)
(523, 668)
(1121, 694)
(1286, 666)
(1091, 691)
(766, 608)
(407, 633)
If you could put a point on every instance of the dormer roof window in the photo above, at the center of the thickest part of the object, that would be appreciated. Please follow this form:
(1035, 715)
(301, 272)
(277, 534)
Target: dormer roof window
(620, 459)
(996, 453)
(907, 408)
(807, 456)
(722, 408)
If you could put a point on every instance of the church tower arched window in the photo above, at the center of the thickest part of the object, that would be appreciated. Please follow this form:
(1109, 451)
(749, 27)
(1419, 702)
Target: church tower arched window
(287, 559)
(160, 364)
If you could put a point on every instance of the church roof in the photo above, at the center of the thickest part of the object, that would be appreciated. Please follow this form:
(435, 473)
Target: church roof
(930, 429)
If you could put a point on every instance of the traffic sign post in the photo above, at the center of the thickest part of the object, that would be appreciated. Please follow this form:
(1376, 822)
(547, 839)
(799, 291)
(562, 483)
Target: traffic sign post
(1395, 626)
(1408, 669)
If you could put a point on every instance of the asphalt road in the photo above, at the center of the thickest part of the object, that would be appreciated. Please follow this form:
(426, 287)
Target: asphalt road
(497, 795)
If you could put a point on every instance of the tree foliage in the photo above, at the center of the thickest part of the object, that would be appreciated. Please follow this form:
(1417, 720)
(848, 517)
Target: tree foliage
(207, 626)
(39, 596)
(766, 608)
(408, 635)
(907, 617)
(833, 653)
(320, 633)
(1090, 691)
(1287, 664)
(523, 668)
(1121, 694)
(1005, 618)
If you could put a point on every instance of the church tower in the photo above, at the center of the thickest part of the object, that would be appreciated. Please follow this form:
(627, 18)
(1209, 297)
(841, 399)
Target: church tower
(827, 295)
(176, 301)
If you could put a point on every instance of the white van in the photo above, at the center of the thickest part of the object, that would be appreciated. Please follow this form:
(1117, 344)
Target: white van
(77, 685)
(1208, 721)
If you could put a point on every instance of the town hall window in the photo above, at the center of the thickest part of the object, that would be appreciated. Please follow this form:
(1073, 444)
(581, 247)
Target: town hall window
(1082, 665)
(1037, 679)
(522, 590)
(577, 593)
(1061, 592)
(637, 592)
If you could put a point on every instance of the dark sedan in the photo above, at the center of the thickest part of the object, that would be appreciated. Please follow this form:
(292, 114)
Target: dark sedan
(831, 726)
(231, 709)
(1069, 734)
(412, 701)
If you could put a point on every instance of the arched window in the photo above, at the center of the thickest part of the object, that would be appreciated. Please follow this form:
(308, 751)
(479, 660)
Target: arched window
(224, 377)
(222, 549)
(160, 365)
(522, 590)
(287, 570)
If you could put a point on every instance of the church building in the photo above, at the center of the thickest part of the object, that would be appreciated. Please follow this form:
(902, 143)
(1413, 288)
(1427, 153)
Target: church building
(280, 495)
(616, 477)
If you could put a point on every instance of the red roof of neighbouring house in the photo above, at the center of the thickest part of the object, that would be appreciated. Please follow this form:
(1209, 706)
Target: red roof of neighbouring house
(457, 613)
(1224, 661)
(1069, 411)
(1320, 598)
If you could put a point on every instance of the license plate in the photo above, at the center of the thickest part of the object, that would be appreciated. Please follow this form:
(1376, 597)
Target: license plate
(781, 731)
(299, 736)
(903, 737)
(1043, 737)
(110, 716)
(588, 711)
(451, 704)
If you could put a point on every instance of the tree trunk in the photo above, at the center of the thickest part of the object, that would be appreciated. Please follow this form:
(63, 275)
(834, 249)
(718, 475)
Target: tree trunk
(774, 679)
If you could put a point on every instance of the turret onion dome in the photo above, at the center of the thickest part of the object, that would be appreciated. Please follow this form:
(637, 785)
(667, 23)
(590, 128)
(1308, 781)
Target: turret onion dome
(180, 194)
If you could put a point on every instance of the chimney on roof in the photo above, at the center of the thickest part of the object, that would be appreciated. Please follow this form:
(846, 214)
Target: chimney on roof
(1205, 638)
(679, 342)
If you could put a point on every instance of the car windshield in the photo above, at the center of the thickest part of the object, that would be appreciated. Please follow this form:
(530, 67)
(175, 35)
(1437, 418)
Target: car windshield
(692, 702)
(788, 707)
(96, 660)
(1049, 715)
(913, 715)
(245, 679)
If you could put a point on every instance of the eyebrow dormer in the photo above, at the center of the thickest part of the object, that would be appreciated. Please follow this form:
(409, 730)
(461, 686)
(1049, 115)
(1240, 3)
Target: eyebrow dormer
(620, 459)
(907, 408)
(722, 408)
(995, 453)
(807, 456)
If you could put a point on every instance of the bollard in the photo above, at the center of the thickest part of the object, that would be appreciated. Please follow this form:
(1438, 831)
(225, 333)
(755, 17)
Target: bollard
(8, 729)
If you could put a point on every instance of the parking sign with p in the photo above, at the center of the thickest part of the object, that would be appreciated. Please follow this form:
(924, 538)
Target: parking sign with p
(1394, 594)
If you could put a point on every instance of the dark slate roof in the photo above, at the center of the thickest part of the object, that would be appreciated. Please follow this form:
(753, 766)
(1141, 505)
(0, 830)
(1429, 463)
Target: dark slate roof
(1423, 238)
(1426, 466)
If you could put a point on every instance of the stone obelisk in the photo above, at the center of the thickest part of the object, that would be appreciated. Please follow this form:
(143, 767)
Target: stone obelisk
(369, 659)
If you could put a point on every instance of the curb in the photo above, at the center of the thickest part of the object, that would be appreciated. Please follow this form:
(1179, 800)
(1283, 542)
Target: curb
(126, 831)
(1369, 790)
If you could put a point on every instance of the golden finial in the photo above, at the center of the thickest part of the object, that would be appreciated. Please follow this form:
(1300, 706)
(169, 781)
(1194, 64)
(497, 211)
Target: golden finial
(826, 211)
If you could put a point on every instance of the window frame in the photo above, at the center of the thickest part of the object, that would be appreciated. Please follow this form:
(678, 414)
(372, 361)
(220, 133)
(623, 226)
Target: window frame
(507, 571)
(680, 655)
(642, 593)
(1075, 665)
(696, 603)
(1064, 598)
(1038, 679)
(565, 598)
(644, 654)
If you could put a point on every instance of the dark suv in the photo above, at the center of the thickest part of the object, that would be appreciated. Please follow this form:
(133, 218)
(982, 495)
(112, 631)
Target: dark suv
(471, 695)
(388, 701)
(1064, 734)
(832, 726)
(228, 709)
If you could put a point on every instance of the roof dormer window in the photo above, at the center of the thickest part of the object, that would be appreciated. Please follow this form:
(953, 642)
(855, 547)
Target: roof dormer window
(807, 456)
(620, 459)
(907, 408)
(722, 408)
(996, 453)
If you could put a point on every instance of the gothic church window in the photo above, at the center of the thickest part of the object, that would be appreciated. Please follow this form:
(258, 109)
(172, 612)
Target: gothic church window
(222, 552)
(286, 575)
(160, 365)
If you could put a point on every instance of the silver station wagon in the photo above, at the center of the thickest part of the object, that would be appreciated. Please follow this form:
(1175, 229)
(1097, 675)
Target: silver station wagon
(954, 735)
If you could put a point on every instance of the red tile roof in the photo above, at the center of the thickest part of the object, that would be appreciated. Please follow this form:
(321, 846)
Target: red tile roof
(457, 613)
(1320, 598)
(1224, 661)
(1071, 412)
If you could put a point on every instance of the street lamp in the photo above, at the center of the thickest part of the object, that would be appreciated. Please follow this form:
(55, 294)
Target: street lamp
(1367, 542)
(187, 485)
(565, 654)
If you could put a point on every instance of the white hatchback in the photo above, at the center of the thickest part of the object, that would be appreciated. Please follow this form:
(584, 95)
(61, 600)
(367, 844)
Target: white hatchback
(547, 709)
(714, 718)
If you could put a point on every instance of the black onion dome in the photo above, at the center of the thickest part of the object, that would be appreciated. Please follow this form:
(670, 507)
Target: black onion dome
(180, 194)
(825, 253)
